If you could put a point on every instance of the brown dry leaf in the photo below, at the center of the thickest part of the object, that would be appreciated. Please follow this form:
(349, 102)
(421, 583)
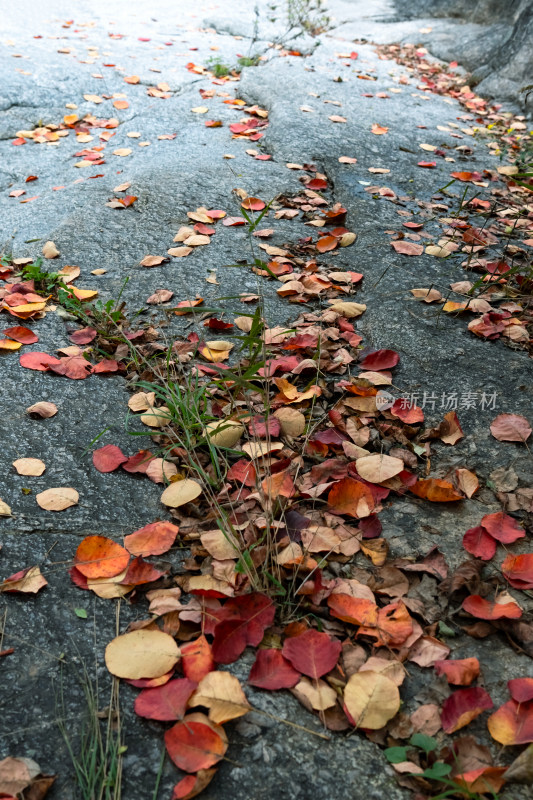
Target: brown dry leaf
(141, 401)
(347, 239)
(392, 669)
(93, 98)
(69, 273)
(259, 449)
(122, 187)
(179, 252)
(197, 240)
(372, 699)
(429, 147)
(110, 588)
(337, 118)
(378, 468)
(122, 151)
(347, 160)
(181, 492)
(292, 421)
(200, 110)
(141, 654)
(220, 545)
(29, 466)
(43, 409)
(316, 694)
(427, 295)
(16, 774)
(438, 251)
(152, 261)
(50, 250)
(156, 417)
(224, 432)
(57, 499)
(5, 510)
(467, 482)
(221, 692)
(30, 581)
(159, 470)
(243, 324)
(348, 309)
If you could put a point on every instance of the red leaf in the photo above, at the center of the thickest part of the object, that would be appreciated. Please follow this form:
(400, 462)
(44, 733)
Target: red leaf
(21, 334)
(355, 610)
(463, 706)
(83, 336)
(192, 785)
(479, 543)
(108, 458)
(74, 367)
(194, 745)
(312, 653)
(481, 608)
(152, 540)
(521, 689)
(253, 204)
(502, 527)
(518, 570)
(460, 672)
(231, 222)
(106, 365)
(244, 620)
(272, 671)
(263, 428)
(218, 324)
(139, 462)
(409, 413)
(140, 572)
(37, 360)
(380, 359)
(427, 164)
(316, 184)
(407, 248)
(243, 471)
(165, 703)
(197, 659)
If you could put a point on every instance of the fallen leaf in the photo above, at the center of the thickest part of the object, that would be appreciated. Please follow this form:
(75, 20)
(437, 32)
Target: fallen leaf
(142, 653)
(108, 458)
(464, 705)
(57, 499)
(195, 745)
(312, 653)
(371, 699)
(510, 428)
(43, 409)
(181, 492)
(29, 466)
(222, 694)
(165, 703)
(100, 557)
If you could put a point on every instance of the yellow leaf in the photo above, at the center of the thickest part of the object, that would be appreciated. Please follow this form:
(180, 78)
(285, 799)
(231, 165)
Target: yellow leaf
(141, 654)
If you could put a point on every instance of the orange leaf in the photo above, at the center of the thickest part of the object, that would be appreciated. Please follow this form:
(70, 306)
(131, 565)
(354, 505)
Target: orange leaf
(435, 490)
(100, 557)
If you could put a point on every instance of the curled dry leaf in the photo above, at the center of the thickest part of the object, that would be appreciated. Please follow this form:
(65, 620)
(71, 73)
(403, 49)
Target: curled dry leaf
(371, 699)
(57, 499)
(181, 492)
(192, 785)
(348, 309)
(141, 654)
(221, 692)
(156, 417)
(141, 401)
(317, 695)
(27, 581)
(50, 250)
(29, 466)
(5, 510)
